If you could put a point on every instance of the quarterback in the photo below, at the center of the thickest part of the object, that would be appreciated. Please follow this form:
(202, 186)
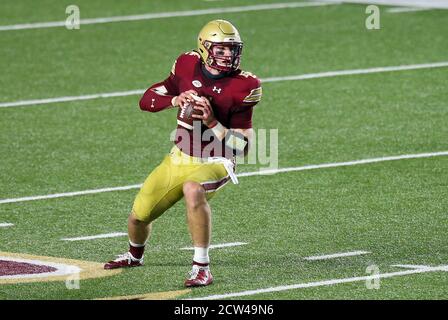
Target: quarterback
(208, 80)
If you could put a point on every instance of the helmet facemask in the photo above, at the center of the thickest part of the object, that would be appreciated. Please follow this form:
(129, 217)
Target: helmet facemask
(220, 62)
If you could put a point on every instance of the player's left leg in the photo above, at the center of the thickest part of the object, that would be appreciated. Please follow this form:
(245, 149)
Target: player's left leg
(198, 213)
(199, 225)
(198, 189)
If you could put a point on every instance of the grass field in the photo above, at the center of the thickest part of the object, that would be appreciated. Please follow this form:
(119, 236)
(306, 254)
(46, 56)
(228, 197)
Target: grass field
(395, 210)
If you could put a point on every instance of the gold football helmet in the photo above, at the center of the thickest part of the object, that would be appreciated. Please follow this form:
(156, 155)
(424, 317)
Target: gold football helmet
(220, 33)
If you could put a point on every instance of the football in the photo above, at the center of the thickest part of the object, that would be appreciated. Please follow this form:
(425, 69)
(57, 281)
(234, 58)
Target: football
(184, 114)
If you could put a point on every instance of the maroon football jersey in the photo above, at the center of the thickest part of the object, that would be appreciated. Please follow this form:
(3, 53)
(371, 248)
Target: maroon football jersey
(232, 98)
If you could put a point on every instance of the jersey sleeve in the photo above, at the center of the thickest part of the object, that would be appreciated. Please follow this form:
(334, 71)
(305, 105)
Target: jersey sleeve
(158, 97)
(241, 117)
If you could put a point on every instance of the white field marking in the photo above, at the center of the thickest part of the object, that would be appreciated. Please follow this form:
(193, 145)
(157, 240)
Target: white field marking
(436, 4)
(308, 76)
(98, 236)
(410, 266)
(336, 255)
(323, 283)
(342, 164)
(261, 172)
(357, 71)
(71, 98)
(222, 245)
(401, 10)
(5, 225)
(172, 14)
(71, 194)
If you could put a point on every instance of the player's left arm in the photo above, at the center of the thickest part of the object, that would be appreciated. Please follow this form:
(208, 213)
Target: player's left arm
(238, 139)
(240, 134)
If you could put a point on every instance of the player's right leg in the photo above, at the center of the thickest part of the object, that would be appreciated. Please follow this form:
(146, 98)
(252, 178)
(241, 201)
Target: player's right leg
(138, 232)
(159, 192)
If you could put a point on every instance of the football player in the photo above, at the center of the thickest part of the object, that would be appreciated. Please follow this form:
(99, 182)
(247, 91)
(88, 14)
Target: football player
(228, 96)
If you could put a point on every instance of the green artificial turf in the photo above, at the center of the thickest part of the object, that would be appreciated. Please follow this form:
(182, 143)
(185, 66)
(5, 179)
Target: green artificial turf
(396, 210)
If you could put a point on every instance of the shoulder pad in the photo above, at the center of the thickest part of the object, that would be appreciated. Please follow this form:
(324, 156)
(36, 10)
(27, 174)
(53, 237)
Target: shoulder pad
(247, 74)
(192, 53)
(253, 87)
(185, 59)
(190, 57)
(254, 96)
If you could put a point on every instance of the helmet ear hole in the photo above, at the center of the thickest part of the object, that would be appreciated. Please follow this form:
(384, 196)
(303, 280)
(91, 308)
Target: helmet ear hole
(207, 44)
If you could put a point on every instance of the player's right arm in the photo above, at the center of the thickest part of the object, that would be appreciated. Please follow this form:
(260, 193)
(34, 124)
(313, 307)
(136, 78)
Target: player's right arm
(166, 94)
(160, 95)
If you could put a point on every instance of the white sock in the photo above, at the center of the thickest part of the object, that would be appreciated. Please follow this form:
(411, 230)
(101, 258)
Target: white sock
(201, 255)
(136, 245)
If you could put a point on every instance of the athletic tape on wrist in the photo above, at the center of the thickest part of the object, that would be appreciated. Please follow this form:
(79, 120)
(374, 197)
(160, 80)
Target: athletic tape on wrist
(236, 142)
(219, 131)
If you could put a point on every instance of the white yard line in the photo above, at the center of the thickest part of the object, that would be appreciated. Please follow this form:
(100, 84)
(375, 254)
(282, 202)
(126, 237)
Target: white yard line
(323, 283)
(71, 194)
(6, 225)
(172, 14)
(404, 10)
(71, 98)
(98, 236)
(308, 76)
(245, 174)
(357, 71)
(222, 245)
(343, 164)
(410, 266)
(336, 255)
(436, 4)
